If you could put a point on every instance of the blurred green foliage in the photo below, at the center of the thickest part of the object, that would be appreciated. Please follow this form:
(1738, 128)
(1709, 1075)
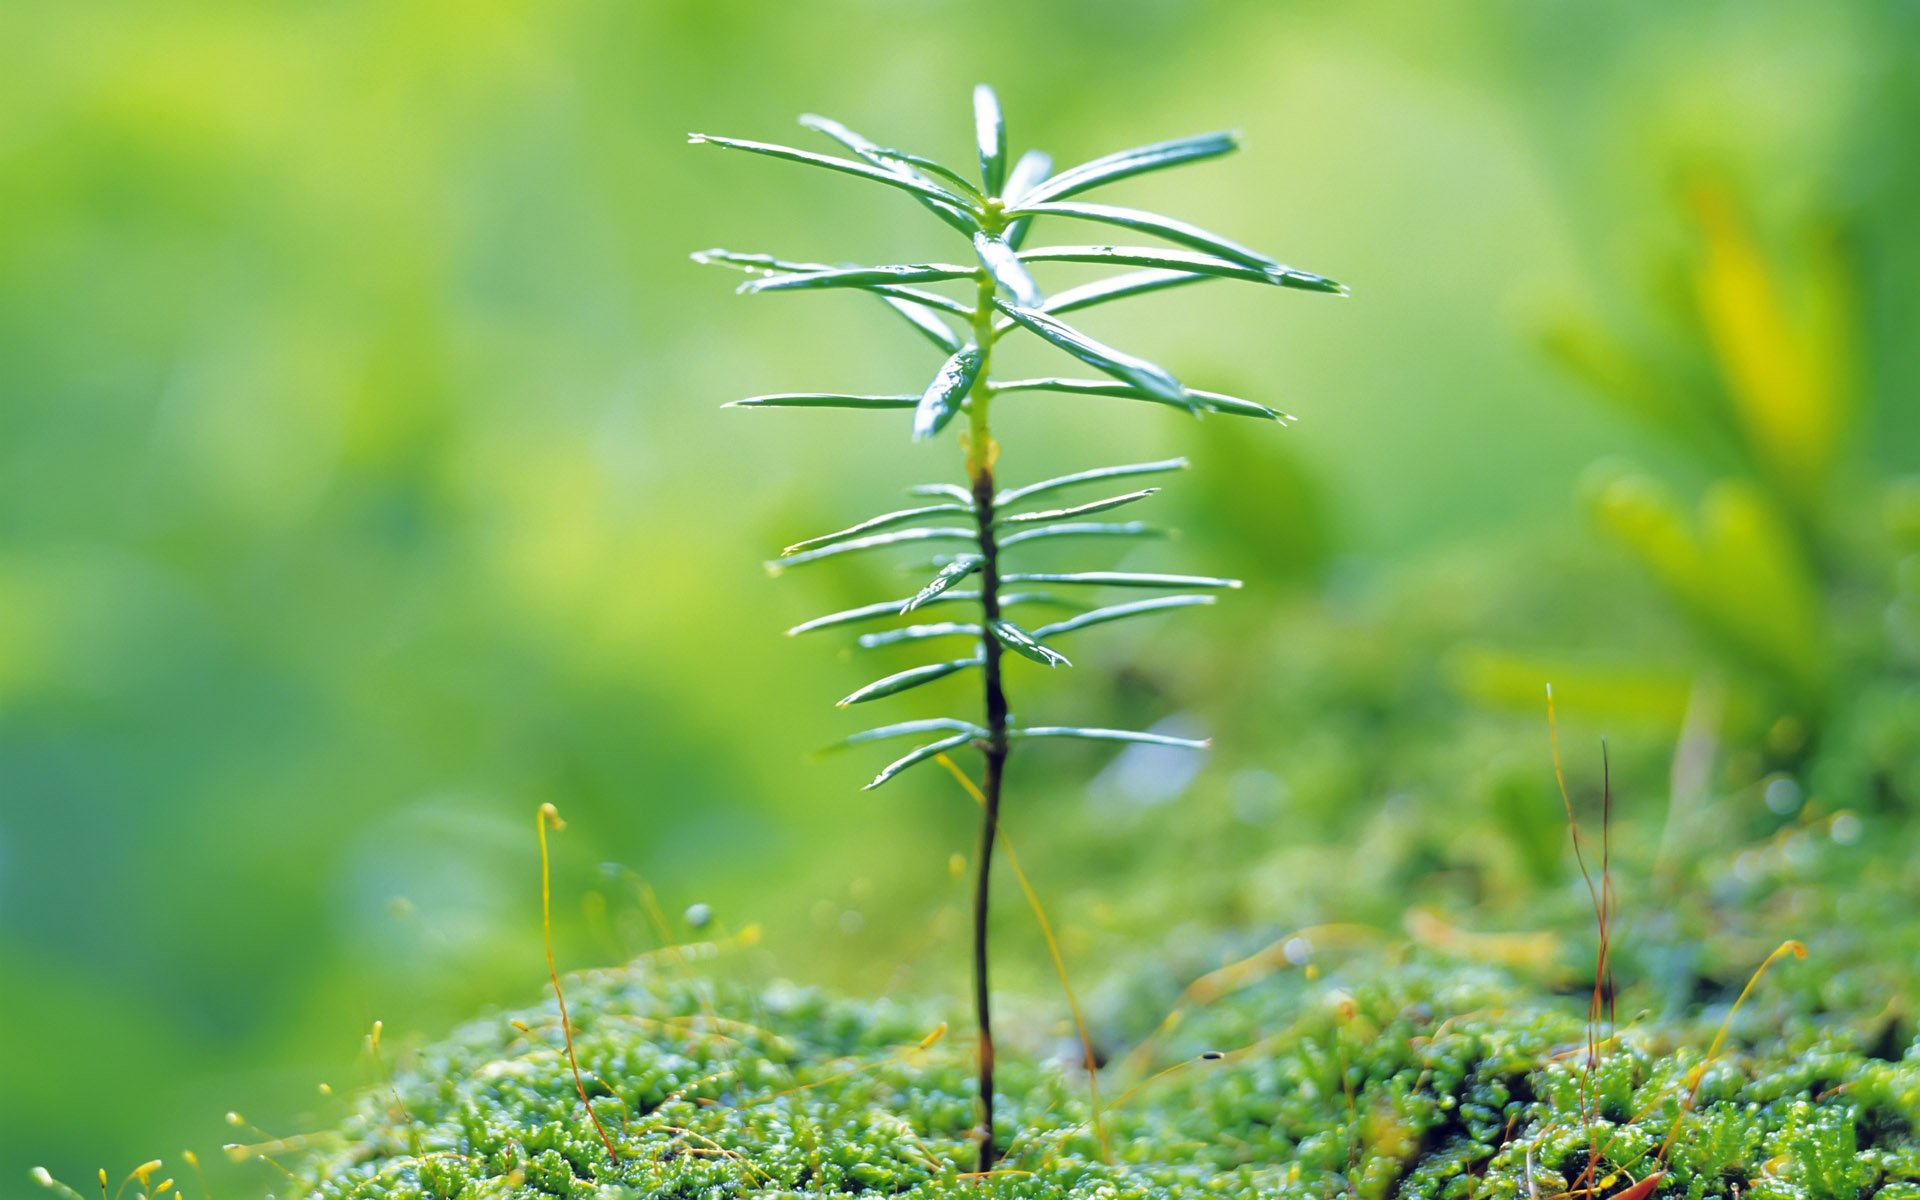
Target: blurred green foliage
(363, 486)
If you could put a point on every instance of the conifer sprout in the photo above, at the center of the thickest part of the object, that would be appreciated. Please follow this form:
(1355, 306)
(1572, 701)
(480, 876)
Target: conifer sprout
(996, 217)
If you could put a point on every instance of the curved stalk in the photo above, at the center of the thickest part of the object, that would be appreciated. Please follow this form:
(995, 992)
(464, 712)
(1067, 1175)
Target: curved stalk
(981, 452)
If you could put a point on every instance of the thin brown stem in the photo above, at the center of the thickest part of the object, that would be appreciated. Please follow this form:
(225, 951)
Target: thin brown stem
(995, 751)
(980, 461)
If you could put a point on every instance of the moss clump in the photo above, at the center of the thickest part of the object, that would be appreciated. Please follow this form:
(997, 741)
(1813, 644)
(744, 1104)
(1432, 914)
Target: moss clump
(1426, 1080)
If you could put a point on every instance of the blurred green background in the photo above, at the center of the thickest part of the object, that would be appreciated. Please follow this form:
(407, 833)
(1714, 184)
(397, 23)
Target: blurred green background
(363, 485)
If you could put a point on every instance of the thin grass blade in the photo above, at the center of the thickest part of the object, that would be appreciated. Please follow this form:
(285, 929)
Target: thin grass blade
(896, 537)
(1142, 374)
(891, 608)
(741, 260)
(870, 278)
(1203, 400)
(919, 756)
(949, 389)
(1102, 291)
(926, 321)
(866, 148)
(1119, 612)
(951, 574)
(919, 633)
(966, 187)
(1094, 475)
(1025, 644)
(1074, 529)
(822, 400)
(1123, 579)
(925, 299)
(883, 608)
(768, 265)
(845, 166)
(1027, 173)
(1187, 260)
(912, 677)
(1017, 599)
(1078, 510)
(1007, 270)
(990, 135)
(908, 728)
(1110, 735)
(883, 521)
(1140, 221)
(1119, 287)
(1123, 164)
(1168, 258)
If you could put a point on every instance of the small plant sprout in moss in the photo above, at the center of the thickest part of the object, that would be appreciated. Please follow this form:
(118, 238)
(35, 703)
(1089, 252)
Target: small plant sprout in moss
(1604, 1167)
(548, 817)
(140, 1179)
(987, 524)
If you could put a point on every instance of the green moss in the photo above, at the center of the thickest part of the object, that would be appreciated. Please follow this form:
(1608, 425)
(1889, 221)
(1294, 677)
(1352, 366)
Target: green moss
(1427, 1081)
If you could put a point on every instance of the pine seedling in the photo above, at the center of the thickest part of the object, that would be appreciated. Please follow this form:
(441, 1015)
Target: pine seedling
(987, 525)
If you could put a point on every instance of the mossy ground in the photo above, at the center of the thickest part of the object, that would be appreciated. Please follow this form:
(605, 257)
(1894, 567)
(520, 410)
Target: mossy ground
(1399, 1063)
(1397, 1076)
(1426, 1058)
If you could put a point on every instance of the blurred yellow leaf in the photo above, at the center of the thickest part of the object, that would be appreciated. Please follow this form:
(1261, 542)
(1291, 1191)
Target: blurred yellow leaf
(1736, 566)
(1494, 678)
(1634, 385)
(1787, 378)
(1533, 951)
